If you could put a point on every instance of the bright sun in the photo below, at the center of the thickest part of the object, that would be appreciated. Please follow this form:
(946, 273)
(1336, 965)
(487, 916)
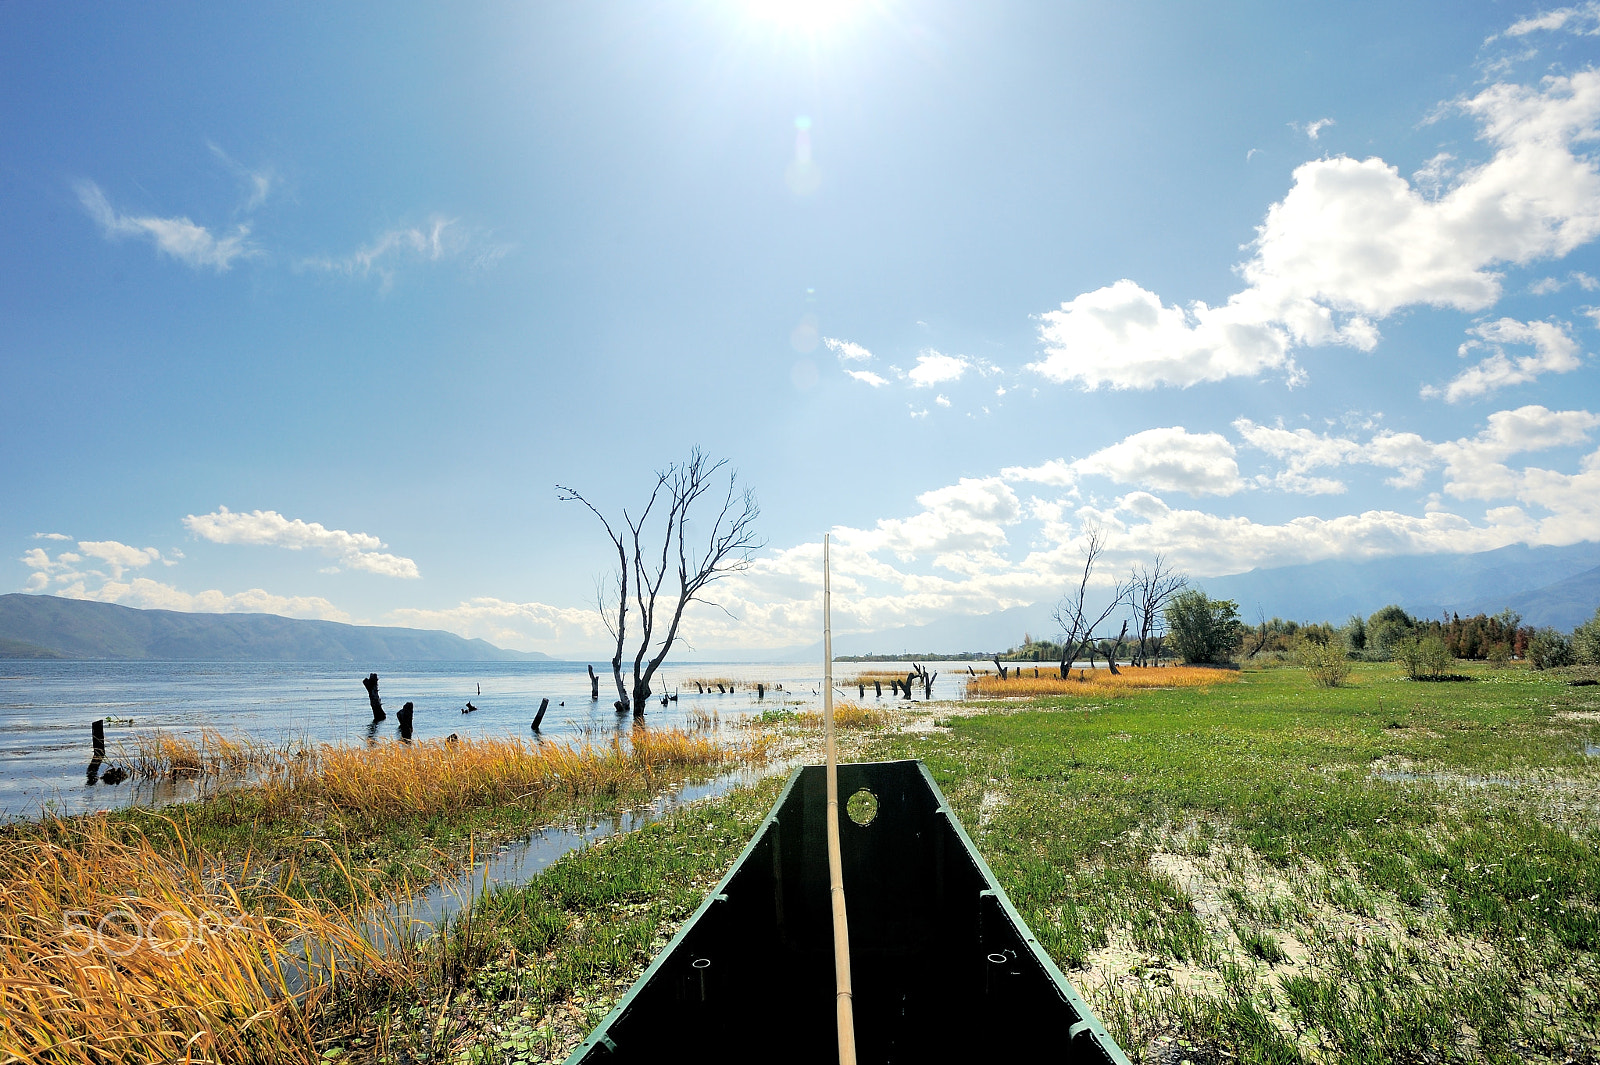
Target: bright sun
(804, 16)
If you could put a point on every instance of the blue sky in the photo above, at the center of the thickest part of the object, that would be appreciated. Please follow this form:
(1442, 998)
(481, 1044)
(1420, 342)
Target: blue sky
(308, 309)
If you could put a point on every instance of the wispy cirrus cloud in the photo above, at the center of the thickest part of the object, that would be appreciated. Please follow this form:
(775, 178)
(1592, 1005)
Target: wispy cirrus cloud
(268, 528)
(438, 240)
(177, 236)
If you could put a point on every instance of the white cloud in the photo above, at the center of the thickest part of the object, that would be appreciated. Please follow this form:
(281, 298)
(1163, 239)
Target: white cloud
(1580, 19)
(118, 557)
(147, 594)
(1314, 129)
(51, 536)
(258, 184)
(356, 551)
(1353, 242)
(943, 401)
(847, 350)
(1056, 472)
(1554, 352)
(519, 626)
(178, 237)
(934, 368)
(868, 377)
(1170, 459)
(438, 240)
(1125, 337)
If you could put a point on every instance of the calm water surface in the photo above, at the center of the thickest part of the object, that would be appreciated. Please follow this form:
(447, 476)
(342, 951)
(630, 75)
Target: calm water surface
(46, 708)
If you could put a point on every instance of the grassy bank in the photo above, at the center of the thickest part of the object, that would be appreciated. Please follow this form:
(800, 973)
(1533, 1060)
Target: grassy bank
(1269, 871)
(180, 934)
(1253, 870)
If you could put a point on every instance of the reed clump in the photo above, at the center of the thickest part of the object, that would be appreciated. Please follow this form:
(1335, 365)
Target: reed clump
(160, 754)
(421, 780)
(846, 715)
(111, 950)
(882, 676)
(1093, 682)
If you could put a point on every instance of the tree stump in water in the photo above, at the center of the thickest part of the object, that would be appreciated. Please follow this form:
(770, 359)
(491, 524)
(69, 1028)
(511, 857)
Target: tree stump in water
(544, 704)
(403, 715)
(371, 684)
(1001, 668)
(594, 685)
(877, 688)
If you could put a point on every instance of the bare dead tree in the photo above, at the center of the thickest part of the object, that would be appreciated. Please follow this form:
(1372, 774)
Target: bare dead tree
(642, 570)
(1072, 613)
(1150, 589)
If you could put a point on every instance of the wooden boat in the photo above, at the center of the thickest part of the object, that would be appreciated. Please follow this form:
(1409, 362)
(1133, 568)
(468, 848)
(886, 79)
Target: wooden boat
(944, 968)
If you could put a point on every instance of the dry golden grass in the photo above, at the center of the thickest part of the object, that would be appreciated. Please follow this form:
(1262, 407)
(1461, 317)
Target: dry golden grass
(710, 683)
(846, 715)
(440, 776)
(1096, 682)
(154, 755)
(867, 676)
(112, 951)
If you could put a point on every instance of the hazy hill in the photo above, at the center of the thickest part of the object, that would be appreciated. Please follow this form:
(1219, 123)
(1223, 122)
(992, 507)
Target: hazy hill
(1547, 585)
(45, 626)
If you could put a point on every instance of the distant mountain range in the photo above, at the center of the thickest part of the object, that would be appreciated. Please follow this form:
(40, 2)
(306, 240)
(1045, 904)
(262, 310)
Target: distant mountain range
(45, 626)
(1557, 586)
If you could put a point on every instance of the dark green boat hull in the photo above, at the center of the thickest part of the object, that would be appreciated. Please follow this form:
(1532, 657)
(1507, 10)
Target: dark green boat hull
(943, 967)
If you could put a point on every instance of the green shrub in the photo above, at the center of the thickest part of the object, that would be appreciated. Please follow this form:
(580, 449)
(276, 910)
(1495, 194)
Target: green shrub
(1586, 641)
(1548, 649)
(1426, 657)
(1327, 663)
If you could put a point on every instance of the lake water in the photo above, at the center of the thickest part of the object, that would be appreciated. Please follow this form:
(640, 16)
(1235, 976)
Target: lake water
(46, 708)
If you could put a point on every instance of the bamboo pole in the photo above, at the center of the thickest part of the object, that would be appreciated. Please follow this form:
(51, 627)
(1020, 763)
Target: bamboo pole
(844, 999)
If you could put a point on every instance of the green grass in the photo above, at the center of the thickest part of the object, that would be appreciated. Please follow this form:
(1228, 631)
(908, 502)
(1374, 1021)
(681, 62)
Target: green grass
(1388, 871)
(1264, 872)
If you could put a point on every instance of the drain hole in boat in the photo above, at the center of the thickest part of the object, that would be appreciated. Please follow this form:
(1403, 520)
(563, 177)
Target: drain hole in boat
(862, 807)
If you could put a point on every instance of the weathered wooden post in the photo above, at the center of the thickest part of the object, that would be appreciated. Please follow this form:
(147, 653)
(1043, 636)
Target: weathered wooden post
(761, 691)
(1001, 668)
(403, 715)
(927, 683)
(861, 690)
(719, 689)
(97, 733)
(594, 685)
(877, 688)
(700, 689)
(971, 672)
(371, 684)
(544, 704)
(909, 678)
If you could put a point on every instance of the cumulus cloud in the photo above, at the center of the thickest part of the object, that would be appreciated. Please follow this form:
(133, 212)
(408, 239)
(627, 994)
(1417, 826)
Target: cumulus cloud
(867, 377)
(178, 236)
(1473, 466)
(520, 626)
(1554, 351)
(148, 594)
(1351, 243)
(1124, 336)
(1056, 472)
(1170, 459)
(934, 368)
(847, 350)
(354, 551)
